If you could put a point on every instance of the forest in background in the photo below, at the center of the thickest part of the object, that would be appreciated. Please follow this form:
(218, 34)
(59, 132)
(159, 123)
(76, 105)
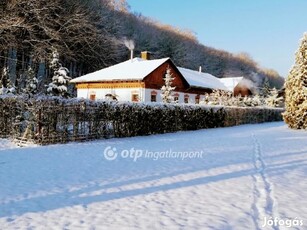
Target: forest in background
(91, 34)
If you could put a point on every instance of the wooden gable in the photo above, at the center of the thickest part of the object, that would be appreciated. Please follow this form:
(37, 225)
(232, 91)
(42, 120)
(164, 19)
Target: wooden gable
(242, 90)
(155, 79)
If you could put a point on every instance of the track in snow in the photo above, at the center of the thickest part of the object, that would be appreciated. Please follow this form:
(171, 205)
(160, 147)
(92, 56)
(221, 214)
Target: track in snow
(264, 204)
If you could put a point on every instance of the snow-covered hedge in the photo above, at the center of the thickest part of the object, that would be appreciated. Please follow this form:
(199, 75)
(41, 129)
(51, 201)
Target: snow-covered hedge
(48, 120)
(251, 115)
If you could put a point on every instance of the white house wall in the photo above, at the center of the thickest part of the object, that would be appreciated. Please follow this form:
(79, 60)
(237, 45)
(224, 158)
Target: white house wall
(148, 93)
(125, 94)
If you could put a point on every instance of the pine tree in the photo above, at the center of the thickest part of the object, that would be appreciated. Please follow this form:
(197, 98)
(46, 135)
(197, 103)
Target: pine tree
(4, 82)
(6, 85)
(31, 82)
(60, 80)
(296, 90)
(273, 99)
(167, 88)
(265, 90)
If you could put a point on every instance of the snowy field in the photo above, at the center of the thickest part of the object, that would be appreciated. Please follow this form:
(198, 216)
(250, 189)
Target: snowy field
(239, 178)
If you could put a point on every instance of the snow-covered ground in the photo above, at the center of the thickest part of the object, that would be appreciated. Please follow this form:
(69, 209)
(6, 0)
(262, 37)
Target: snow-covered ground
(239, 177)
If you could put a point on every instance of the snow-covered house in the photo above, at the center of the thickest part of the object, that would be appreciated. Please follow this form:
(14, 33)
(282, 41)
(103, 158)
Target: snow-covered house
(230, 82)
(245, 88)
(140, 80)
(239, 86)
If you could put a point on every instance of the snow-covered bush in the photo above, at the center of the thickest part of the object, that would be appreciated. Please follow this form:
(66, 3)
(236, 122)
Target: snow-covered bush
(220, 97)
(217, 97)
(248, 101)
(257, 100)
(60, 79)
(6, 87)
(167, 88)
(273, 99)
(251, 101)
(296, 90)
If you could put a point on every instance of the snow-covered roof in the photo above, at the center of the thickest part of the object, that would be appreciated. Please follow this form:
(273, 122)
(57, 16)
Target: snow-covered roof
(135, 69)
(230, 82)
(138, 69)
(203, 80)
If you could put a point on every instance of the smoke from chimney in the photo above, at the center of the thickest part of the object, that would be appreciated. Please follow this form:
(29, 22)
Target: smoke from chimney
(130, 45)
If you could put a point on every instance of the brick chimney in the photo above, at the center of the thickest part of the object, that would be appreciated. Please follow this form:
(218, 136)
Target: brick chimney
(145, 55)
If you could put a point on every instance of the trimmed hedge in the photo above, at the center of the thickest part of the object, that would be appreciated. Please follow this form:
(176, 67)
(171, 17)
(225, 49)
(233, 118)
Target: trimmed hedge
(47, 120)
(251, 115)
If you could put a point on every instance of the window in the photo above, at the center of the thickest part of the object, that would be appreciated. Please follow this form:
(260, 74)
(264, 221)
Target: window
(153, 96)
(176, 97)
(197, 99)
(111, 97)
(135, 97)
(93, 97)
(186, 99)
